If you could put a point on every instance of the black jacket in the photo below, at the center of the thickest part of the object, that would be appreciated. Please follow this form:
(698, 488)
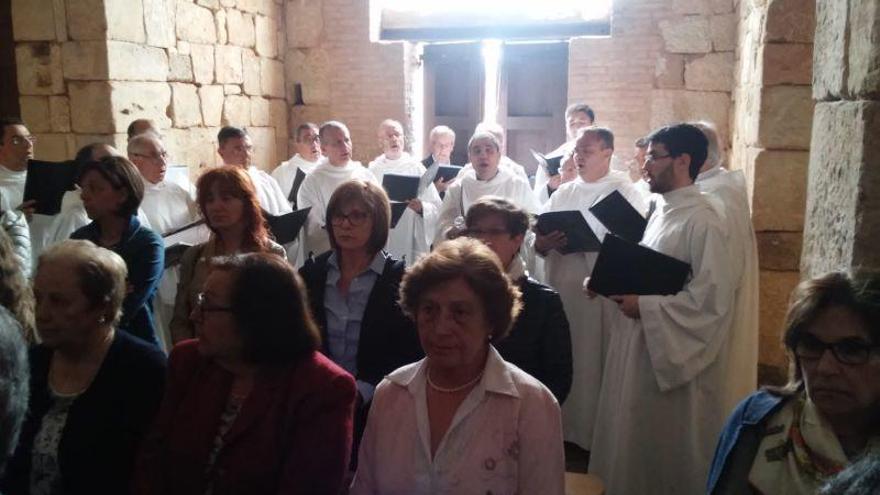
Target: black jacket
(388, 338)
(540, 342)
(105, 424)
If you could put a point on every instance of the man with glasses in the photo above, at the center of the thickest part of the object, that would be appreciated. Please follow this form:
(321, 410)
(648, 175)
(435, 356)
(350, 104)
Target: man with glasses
(290, 174)
(16, 148)
(668, 357)
(566, 273)
(167, 207)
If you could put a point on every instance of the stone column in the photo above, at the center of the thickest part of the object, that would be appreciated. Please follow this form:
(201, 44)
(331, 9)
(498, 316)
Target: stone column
(843, 197)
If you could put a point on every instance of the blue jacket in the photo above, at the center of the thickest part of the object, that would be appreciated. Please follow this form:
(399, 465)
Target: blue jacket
(144, 255)
(739, 443)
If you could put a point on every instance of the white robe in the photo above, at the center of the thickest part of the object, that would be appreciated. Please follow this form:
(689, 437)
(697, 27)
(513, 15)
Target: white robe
(566, 273)
(11, 188)
(726, 192)
(167, 206)
(315, 192)
(467, 189)
(412, 236)
(269, 192)
(285, 173)
(661, 406)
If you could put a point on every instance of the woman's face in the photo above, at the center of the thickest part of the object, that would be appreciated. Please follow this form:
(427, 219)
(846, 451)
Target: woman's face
(838, 388)
(64, 316)
(222, 209)
(453, 328)
(99, 197)
(212, 316)
(352, 225)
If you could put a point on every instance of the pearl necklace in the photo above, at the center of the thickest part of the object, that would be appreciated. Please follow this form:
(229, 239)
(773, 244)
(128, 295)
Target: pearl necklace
(453, 389)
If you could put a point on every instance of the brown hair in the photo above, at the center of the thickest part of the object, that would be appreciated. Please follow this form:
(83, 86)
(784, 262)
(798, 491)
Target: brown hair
(121, 174)
(235, 181)
(516, 220)
(370, 196)
(269, 306)
(471, 260)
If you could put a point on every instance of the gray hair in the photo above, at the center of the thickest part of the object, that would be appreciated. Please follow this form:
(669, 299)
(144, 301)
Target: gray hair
(484, 135)
(440, 130)
(492, 128)
(137, 143)
(14, 384)
(714, 156)
(333, 124)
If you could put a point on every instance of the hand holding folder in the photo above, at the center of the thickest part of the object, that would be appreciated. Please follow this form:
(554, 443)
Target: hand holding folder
(581, 237)
(47, 182)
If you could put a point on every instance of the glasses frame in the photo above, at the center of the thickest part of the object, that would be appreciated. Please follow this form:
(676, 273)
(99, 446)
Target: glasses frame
(20, 140)
(835, 348)
(338, 218)
(202, 308)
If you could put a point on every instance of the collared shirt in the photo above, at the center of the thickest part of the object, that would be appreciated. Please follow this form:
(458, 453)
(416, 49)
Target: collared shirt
(505, 437)
(345, 312)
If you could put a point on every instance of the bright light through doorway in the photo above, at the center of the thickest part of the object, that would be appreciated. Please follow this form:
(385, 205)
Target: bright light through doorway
(533, 10)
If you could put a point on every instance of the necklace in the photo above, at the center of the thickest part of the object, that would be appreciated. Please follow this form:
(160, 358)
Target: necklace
(451, 390)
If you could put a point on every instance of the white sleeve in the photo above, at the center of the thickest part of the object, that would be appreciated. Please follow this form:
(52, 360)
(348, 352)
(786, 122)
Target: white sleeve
(450, 209)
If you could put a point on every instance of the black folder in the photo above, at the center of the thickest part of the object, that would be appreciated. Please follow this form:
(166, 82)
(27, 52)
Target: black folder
(174, 253)
(624, 267)
(294, 189)
(550, 163)
(580, 236)
(47, 182)
(401, 187)
(447, 172)
(397, 210)
(619, 217)
(286, 227)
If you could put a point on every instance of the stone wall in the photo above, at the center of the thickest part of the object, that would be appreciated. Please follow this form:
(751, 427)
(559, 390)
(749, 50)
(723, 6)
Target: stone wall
(843, 197)
(666, 61)
(342, 74)
(770, 143)
(87, 68)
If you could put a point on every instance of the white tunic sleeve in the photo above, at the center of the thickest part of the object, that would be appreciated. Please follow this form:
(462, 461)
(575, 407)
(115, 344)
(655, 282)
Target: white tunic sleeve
(450, 209)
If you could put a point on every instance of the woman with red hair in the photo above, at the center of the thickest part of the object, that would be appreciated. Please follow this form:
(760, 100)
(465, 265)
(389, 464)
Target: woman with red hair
(230, 207)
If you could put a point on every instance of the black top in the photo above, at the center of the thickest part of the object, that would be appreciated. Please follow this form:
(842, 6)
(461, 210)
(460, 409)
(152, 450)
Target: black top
(104, 425)
(388, 338)
(540, 342)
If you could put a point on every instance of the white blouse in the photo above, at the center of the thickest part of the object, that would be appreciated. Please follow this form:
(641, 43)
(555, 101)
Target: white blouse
(505, 438)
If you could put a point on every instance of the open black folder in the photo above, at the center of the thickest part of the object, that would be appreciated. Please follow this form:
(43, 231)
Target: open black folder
(619, 217)
(572, 223)
(624, 267)
(447, 172)
(401, 187)
(47, 182)
(551, 163)
(286, 227)
(178, 240)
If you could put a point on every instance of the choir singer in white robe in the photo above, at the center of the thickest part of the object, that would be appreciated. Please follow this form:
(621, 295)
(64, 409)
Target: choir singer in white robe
(566, 272)
(167, 206)
(505, 162)
(236, 148)
(308, 153)
(661, 405)
(411, 237)
(486, 178)
(315, 191)
(726, 192)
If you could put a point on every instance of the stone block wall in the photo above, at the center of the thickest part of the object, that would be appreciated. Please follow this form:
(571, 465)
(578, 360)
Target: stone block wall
(342, 74)
(771, 123)
(89, 67)
(843, 196)
(666, 61)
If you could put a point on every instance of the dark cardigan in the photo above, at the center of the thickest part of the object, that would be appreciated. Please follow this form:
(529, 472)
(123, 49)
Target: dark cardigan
(105, 424)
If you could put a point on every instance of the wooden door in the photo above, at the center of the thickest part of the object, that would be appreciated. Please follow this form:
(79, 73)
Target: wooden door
(532, 98)
(9, 94)
(453, 92)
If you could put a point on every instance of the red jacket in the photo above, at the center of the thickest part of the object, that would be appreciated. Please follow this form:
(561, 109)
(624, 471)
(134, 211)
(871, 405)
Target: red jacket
(292, 435)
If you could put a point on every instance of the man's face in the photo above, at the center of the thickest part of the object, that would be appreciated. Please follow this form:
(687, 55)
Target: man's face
(659, 169)
(237, 151)
(309, 145)
(576, 121)
(17, 147)
(441, 148)
(591, 157)
(336, 145)
(151, 161)
(391, 139)
(484, 156)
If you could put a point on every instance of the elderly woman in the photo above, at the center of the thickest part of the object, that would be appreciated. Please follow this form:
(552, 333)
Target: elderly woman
(112, 191)
(462, 420)
(94, 391)
(353, 292)
(540, 342)
(251, 406)
(229, 205)
(791, 440)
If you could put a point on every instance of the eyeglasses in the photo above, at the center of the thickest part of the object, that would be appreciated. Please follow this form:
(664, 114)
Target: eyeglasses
(846, 351)
(20, 140)
(355, 218)
(654, 158)
(158, 156)
(203, 307)
(485, 232)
